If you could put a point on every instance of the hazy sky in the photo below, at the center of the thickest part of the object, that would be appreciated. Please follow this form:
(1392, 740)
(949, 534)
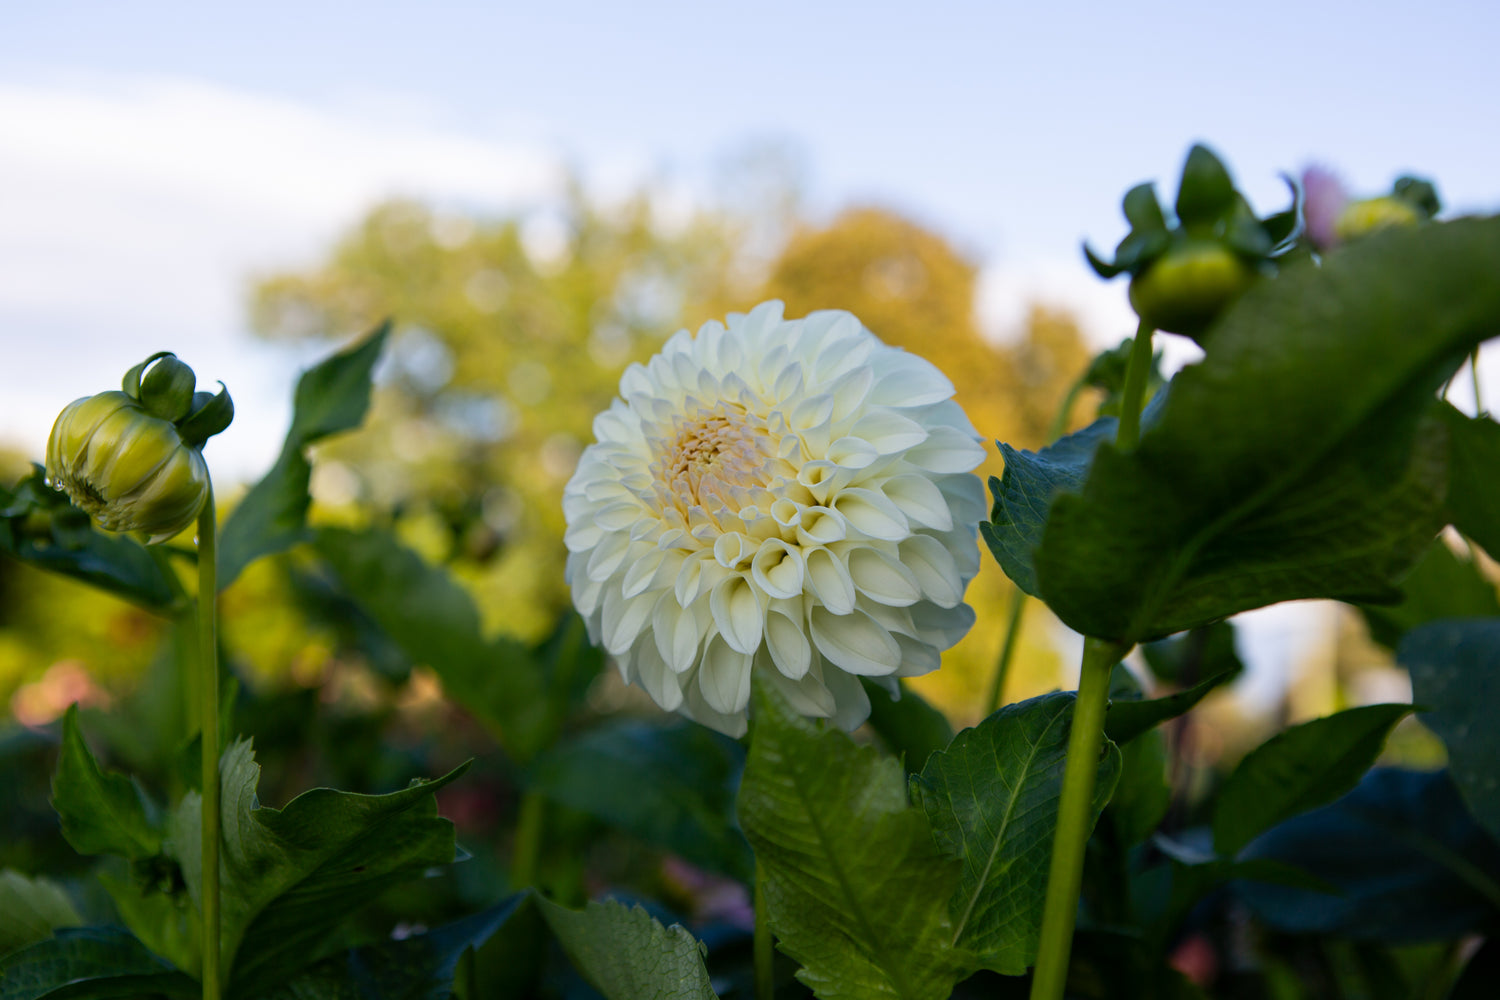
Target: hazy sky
(154, 156)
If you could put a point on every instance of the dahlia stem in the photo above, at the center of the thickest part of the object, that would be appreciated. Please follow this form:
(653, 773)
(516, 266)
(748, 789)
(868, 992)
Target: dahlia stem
(1474, 374)
(1007, 651)
(528, 843)
(765, 953)
(208, 732)
(1135, 389)
(1074, 814)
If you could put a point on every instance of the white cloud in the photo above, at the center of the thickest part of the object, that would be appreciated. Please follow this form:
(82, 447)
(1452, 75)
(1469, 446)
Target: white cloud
(135, 209)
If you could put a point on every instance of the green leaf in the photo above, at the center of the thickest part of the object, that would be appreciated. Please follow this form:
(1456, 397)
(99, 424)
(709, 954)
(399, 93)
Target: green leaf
(1125, 720)
(289, 876)
(333, 396)
(626, 955)
(857, 890)
(86, 963)
(40, 527)
(992, 800)
(1206, 191)
(1142, 210)
(1406, 858)
(31, 909)
(434, 621)
(1474, 477)
(1188, 658)
(419, 967)
(1258, 484)
(908, 726)
(1300, 769)
(102, 812)
(1025, 491)
(1453, 678)
(672, 786)
(1142, 796)
(1442, 585)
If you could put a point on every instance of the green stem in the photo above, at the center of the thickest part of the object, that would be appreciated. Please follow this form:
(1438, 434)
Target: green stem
(208, 734)
(1074, 819)
(528, 845)
(1135, 390)
(1007, 651)
(765, 955)
(1474, 374)
(1065, 409)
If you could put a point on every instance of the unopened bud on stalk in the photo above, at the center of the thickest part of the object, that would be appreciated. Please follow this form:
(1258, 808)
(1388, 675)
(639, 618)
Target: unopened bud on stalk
(133, 459)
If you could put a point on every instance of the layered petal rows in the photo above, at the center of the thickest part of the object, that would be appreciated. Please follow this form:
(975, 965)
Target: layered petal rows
(786, 498)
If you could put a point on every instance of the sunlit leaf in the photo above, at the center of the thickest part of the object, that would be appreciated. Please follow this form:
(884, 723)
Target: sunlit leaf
(625, 954)
(31, 909)
(992, 797)
(856, 888)
(289, 876)
(332, 396)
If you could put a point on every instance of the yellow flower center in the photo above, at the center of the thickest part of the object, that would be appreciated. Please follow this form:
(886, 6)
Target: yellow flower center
(720, 460)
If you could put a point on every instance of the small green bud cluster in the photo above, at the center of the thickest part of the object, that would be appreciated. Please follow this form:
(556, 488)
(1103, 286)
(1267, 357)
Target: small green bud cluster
(1185, 271)
(133, 458)
(1334, 218)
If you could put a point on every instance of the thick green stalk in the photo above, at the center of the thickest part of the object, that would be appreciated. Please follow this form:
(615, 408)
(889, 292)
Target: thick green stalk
(765, 955)
(1007, 650)
(528, 843)
(208, 730)
(1134, 393)
(1074, 815)
(1474, 374)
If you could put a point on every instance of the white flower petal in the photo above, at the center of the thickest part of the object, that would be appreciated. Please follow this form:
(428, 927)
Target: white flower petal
(807, 694)
(656, 676)
(946, 450)
(830, 582)
(871, 514)
(920, 500)
(854, 642)
(888, 432)
(883, 578)
(623, 619)
(933, 567)
(737, 613)
(791, 652)
(724, 677)
(778, 569)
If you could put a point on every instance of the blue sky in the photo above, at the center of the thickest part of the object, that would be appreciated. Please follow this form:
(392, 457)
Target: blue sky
(154, 156)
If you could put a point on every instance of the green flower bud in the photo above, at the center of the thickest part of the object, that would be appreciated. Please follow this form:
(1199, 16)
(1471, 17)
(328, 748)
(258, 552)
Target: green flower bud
(129, 469)
(1186, 289)
(1360, 218)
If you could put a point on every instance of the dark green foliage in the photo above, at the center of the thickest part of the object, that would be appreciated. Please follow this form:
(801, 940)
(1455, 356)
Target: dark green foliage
(1299, 769)
(90, 963)
(419, 967)
(1408, 861)
(40, 526)
(1474, 477)
(672, 786)
(1442, 585)
(991, 797)
(1455, 679)
(102, 812)
(332, 396)
(31, 909)
(908, 726)
(434, 620)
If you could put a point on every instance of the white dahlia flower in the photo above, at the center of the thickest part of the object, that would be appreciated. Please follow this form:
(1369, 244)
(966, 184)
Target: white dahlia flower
(786, 498)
